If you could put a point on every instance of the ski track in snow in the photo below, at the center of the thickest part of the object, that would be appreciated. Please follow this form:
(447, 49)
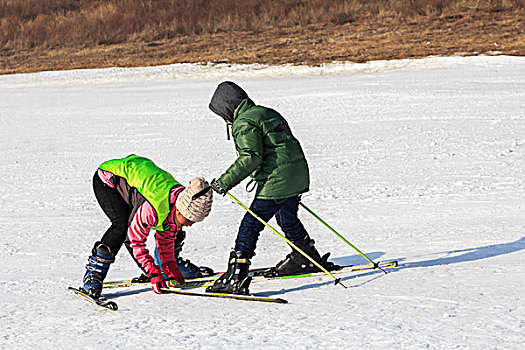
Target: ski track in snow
(417, 160)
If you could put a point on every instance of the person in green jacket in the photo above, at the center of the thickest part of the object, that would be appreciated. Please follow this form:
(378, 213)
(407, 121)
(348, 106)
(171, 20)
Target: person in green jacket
(273, 158)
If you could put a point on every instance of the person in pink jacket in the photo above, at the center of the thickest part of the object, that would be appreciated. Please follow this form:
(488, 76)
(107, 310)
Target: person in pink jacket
(137, 196)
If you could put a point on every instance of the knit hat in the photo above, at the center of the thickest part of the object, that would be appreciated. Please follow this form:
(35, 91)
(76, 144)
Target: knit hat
(195, 209)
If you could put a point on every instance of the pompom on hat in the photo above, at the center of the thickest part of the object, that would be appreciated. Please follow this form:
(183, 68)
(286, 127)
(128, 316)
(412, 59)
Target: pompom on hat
(195, 209)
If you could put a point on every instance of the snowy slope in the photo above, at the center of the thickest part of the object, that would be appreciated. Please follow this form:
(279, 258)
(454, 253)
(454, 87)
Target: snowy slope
(421, 161)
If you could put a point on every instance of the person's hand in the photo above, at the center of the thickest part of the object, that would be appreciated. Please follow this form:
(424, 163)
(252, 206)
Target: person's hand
(217, 188)
(157, 282)
(171, 270)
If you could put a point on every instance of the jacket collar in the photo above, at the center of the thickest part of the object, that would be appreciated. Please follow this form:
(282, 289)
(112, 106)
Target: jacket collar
(245, 104)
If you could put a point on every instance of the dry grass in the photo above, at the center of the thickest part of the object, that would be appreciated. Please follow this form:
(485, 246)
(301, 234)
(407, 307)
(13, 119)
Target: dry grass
(56, 23)
(67, 34)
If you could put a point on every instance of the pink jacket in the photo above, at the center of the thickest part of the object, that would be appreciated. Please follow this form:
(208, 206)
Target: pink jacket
(138, 231)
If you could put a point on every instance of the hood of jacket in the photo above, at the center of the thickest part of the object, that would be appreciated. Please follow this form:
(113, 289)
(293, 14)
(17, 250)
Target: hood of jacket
(226, 98)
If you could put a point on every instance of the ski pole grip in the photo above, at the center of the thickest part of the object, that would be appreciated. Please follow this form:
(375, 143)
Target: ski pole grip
(200, 193)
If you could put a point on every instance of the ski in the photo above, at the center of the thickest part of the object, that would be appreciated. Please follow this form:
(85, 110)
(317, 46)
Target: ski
(102, 302)
(190, 283)
(227, 296)
(258, 276)
(343, 270)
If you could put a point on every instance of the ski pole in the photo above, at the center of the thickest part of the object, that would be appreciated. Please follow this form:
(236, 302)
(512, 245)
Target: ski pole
(337, 280)
(344, 239)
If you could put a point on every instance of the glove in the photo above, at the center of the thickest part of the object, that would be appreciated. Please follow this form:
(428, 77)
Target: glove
(157, 282)
(171, 270)
(217, 188)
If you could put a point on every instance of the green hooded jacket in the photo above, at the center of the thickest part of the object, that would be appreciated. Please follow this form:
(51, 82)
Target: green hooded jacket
(267, 152)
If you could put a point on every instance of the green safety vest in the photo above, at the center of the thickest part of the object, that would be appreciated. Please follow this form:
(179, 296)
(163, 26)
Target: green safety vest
(150, 180)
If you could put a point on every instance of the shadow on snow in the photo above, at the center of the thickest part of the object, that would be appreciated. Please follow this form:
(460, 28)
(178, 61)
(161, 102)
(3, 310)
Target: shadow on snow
(471, 254)
(465, 255)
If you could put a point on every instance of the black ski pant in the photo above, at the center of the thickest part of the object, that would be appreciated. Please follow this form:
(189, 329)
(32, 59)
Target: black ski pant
(117, 210)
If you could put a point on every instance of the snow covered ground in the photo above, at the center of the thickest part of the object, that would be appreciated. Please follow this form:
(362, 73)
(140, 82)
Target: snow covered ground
(421, 161)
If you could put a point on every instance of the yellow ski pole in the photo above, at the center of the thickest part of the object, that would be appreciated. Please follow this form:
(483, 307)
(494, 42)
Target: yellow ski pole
(337, 280)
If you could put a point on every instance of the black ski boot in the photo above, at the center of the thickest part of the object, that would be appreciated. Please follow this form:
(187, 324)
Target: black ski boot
(235, 280)
(188, 269)
(97, 269)
(296, 263)
(143, 278)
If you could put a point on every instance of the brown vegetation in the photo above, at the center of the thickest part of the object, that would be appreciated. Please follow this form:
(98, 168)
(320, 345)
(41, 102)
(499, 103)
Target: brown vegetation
(64, 34)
